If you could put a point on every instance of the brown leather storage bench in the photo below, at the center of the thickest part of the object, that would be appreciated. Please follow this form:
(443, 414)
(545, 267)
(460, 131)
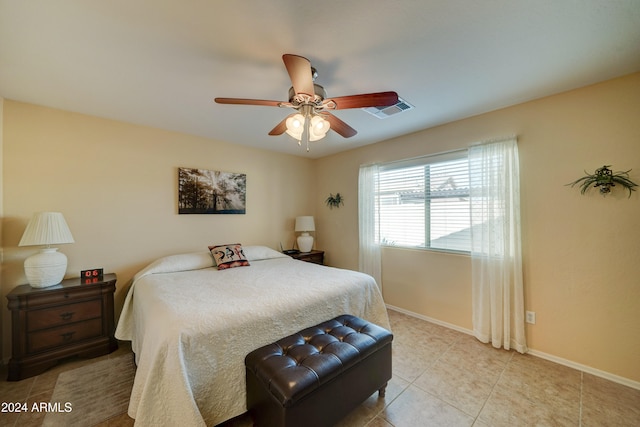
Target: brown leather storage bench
(317, 376)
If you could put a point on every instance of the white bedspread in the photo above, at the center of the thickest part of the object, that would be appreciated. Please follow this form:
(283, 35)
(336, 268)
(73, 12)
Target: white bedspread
(191, 329)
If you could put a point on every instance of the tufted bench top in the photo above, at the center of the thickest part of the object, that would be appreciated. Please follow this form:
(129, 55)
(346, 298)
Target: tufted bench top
(296, 365)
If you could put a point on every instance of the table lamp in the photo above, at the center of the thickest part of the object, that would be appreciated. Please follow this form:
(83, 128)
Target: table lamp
(305, 224)
(47, 267)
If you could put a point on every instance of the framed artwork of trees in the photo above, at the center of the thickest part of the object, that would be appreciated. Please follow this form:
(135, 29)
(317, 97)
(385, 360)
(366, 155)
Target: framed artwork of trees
(202, 191)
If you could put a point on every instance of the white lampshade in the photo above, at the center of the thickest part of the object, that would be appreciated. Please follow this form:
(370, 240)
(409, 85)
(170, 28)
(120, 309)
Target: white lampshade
(305, 224)
(46, 228)
(47, 267)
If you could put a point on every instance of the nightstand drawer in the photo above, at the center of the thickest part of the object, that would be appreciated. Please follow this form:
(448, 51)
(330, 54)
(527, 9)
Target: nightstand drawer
(63, 335)
(63, 296)
(64, 314)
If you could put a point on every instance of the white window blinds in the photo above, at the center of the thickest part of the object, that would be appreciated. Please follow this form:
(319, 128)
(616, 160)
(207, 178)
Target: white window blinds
(424, 203)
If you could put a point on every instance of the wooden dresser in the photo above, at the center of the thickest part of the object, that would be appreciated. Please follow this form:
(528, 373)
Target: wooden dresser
(47, 324)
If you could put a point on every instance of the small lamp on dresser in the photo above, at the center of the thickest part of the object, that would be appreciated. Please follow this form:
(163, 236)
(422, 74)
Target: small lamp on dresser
(305, 224)
(47, 267)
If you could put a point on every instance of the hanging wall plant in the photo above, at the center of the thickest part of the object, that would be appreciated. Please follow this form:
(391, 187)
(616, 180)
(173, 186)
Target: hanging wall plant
(334, 201)
(605, 178)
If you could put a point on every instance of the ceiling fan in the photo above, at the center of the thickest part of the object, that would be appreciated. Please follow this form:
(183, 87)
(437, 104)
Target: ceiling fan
(312, 119)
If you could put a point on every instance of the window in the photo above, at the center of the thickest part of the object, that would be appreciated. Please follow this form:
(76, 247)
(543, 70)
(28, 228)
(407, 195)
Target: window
(424, 203)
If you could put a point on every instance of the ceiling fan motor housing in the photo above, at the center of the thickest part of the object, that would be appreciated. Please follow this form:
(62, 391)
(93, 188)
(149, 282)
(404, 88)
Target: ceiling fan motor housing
(320, 94)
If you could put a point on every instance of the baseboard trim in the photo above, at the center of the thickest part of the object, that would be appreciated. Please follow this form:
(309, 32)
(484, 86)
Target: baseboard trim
(559, 360)
(588, 369)
(430, 319)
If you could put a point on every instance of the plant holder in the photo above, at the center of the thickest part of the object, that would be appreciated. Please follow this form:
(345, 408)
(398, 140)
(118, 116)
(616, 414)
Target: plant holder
(604, 178)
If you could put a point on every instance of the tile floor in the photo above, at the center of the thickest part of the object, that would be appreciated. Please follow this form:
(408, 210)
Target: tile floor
(441, 378)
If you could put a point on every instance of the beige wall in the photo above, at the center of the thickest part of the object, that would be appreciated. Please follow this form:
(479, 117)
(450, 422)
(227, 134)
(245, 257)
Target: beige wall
(2, 317)
(116, 185)
(581, 253)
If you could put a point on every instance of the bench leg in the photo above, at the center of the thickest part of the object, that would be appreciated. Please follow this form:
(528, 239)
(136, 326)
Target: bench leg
(383, 390)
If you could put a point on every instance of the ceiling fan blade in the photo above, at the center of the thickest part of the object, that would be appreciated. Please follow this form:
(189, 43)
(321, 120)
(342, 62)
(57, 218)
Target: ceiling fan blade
(280, 127)
(240, 101)
(299, 69)
(378, 99)
(339, 126)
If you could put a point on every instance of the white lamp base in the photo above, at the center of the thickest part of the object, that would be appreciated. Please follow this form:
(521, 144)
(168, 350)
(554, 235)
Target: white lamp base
(305, 242)
(46, 268)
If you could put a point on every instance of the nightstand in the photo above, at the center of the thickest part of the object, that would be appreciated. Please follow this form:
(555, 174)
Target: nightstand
(71, 318)
(316, 257)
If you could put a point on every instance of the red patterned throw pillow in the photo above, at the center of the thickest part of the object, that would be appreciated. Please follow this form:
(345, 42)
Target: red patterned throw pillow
(228, 256)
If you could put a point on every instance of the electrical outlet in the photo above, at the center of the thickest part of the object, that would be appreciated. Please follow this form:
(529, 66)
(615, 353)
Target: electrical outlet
(530, 317)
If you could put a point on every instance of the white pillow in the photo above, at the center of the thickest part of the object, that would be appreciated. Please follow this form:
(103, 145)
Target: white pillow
(181, 262)
(256, 253)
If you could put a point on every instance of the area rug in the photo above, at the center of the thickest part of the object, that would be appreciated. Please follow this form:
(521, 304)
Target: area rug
(92, 394)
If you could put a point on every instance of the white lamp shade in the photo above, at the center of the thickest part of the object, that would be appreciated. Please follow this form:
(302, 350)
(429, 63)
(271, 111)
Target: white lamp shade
(46, 228)
(47, 267)
(305, 223)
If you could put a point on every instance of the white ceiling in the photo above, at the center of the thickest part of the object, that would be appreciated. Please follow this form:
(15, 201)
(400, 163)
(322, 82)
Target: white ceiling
(161, 62)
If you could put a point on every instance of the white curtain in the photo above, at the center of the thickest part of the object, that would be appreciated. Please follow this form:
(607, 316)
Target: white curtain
(498, 302)
(369, 258)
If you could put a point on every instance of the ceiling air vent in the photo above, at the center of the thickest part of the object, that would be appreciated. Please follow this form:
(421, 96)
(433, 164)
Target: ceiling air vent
(384, 112)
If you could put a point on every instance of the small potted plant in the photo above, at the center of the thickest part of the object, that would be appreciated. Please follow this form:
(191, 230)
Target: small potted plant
(334, 201)
(605, 178)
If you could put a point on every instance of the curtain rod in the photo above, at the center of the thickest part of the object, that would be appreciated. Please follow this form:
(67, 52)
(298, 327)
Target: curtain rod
(424, 156)
(441, 153)
(492, 140)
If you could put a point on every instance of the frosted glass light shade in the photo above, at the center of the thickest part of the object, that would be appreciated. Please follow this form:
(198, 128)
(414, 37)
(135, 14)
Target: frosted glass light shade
(47, 267)
(295, 126)
(318, 129)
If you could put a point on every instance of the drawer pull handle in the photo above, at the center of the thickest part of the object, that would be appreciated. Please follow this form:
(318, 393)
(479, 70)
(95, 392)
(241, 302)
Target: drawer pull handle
(67, 316)
(67, 336)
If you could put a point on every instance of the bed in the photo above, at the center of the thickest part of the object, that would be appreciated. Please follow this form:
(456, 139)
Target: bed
(191, 325)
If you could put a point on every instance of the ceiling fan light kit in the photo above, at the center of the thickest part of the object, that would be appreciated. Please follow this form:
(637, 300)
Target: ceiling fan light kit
(312, 120)
(308, 126)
